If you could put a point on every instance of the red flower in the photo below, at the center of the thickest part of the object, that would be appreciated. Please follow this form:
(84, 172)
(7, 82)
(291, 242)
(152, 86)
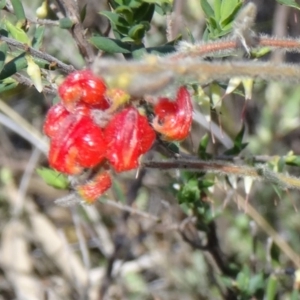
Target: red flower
(174, 118)
(54, 119)
(78, 144)
(128, 135)
(94, 188)
(83, 87)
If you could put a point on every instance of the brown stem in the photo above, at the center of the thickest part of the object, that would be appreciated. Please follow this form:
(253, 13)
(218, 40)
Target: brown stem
(86, 49)
(26, 81)
(260, 172)
(38, 54)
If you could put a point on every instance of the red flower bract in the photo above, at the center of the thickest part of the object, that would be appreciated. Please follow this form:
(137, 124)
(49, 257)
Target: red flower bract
(83, 87)
(78, 144)
(54, 119)
(128, 135)
(174, 118)
(95, 187)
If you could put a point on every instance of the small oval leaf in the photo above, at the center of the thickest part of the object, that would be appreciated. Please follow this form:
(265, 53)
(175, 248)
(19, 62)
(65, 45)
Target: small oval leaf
(109, 45)
(65, 23)
(34, 73)
(18, 9)
(54, 178)
(7, 84)
(38, 37)
(17, 33)
(3, 51)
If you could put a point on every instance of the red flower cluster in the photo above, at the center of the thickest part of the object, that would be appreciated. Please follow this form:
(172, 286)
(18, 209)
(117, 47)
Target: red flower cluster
(79, 140)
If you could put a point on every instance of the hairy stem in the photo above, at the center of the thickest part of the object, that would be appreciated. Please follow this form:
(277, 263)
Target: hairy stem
(259, 172)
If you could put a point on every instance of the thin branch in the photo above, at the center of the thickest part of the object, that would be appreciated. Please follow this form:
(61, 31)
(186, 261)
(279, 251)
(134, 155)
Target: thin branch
(228, 46)
(120, 244)
(72, 11)
(48, 89)
(44, 22)
(262, 223)
(154, 73)
(18, 124)
(280, 28)
(38, 54)
(259, 172)
(131, 210)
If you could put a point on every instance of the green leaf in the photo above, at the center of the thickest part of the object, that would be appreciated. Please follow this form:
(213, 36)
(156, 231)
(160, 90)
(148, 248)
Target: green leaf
(227, 8)
(291, 3)
(279, 192)
(217, 9)
(216, 95)
(119, 25)
(228, 18)
(243, 278)
(144, 13)
(258, 53)
(118, 191)
(19, 10)
(161, 50)
(2, 4)
(256, 283)
(206, 183)
(189, 192)
(126, 12)
(83, 13)
(127, 39)
(134, 4)
(115, 19)
(54, 178)
(19, 63)
(13, 66)
(138, 31)
(66, 23)
(163, 9)
(109, 45)
(38, 37)
(239, 138)
(17, 33)
(275, 255)
(8, 84)
(3, 51)
(271, 288)
(34, 72)
(115, 3)
(293, 160)
(202, 147)
(172, 147)
(159, 2)
(208, 11)
(280, 165)
(238, 143)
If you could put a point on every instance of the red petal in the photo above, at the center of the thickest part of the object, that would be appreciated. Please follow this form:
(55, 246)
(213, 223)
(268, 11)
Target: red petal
(78, 144)
(91, 144)
(165, 107)
(83, 86)
(95, 188)
(54, 119)
(146, 134)
(128, 135)
(174, 119)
